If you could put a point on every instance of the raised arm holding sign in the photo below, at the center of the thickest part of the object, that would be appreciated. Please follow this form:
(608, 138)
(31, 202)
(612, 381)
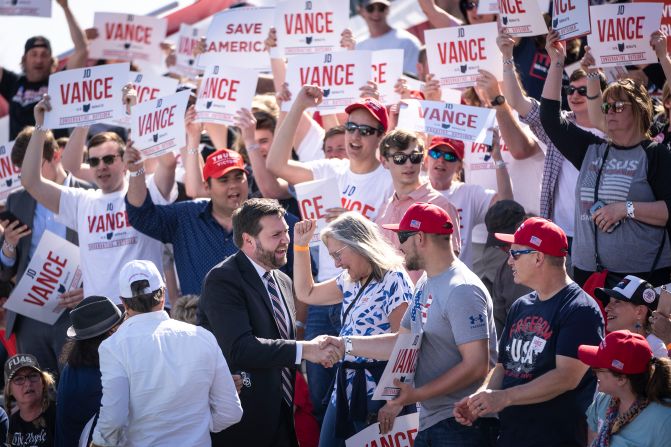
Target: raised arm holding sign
(158, 126)
(223, 91)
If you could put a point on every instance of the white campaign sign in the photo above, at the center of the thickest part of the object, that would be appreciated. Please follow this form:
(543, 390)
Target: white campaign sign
(157, 126)
(10, 179)
(223, 91)
(236, 37)
(456, 54)
(86, 96)
(522, 18)
(53, 270)
(403, 434)
(621, 33)
(401, 366)
(35, 8)
(149, 86)
(571, 18)
(314, 198)
(128, 37)
(455, 121)
(488, 7)
(387, 69)
(312, 26)
(185, 62)
(340, 75)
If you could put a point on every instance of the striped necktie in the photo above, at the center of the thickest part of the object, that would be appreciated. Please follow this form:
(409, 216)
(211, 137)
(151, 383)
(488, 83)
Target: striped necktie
(283, 327)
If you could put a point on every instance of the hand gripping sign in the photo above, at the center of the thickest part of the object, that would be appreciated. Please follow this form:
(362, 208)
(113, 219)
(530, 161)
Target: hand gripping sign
(455, 121)
(148, 87)
(570, 18)
(456, 54)
(158, 126)
(621, 33)
(310, 26)
(403, 434)
(128, 37)
(401, 366)
(223, 91)
(86, 96)
(314, 198)
(53, 270)
(237, 36)
(10, 179)
(340, 75)
(666, 18)
(521, 18)
(35, 8)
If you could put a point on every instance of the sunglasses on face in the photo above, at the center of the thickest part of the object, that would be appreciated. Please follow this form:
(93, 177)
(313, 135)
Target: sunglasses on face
(447, 156)
(379, 7)
(582, 91)
(517, 253)
(33, 377)
(364, 130)
(400, 158)
(336, 255)
(617, 106)
(405, 235)
(107, 159)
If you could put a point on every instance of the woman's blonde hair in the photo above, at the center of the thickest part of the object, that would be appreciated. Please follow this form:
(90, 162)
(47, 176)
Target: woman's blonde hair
(48, 388)
(636, 94)
(185, 309)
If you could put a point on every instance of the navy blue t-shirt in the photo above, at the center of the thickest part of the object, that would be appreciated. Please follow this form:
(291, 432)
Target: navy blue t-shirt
(536, 331)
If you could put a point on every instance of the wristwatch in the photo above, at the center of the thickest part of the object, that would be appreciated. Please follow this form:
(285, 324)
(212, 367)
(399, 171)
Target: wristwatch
(500, 99)
(630, 209)
(348, 345)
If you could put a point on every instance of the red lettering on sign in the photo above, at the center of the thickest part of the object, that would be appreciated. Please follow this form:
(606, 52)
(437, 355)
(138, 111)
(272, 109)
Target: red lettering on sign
(220, 88)
(86, 90)
(236, 47)
(186, 45)
(449, 116)
(379, 73)
(309, 23)
(462, 51)
(562, 6)
(157, 120)
(327, 75)
(7, 168)
(243, 28)
(128, 32)
(145, 93)
(511, 7)
(308, 205)
(620, 28)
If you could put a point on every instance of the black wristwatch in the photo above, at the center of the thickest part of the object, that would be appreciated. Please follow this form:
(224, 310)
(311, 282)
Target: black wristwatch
(500, 99)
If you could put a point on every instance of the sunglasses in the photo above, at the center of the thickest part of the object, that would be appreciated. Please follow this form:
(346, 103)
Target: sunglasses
(107, 159)
(617, 106)
(405, 235)
(469, 6)
(582, 91)
(379, 7)
(33, 377)
(364, 130)
(399, 158)
(517, 253)
(447, 156)
(336, 254)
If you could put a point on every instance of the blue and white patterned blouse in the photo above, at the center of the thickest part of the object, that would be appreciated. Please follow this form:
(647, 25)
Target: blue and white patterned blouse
(370, 314)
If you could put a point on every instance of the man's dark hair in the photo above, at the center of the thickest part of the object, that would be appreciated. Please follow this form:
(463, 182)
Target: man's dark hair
(142, 301)
(580, 73)
(332, 132)
(104, 137)
(21, 144)
(265, 120)
(247, 218)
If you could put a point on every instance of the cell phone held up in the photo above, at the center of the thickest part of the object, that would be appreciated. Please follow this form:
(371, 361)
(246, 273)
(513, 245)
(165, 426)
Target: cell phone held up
(8, 215)
(598, 205)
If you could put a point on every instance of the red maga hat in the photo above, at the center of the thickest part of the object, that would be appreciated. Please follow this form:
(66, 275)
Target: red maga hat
(424, 217)
(455, 146)
(374, 107)
(540, 234)
(221, 162)
(621, 351)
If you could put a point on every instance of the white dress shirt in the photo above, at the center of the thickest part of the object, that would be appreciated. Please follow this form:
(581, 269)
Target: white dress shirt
(165, 383)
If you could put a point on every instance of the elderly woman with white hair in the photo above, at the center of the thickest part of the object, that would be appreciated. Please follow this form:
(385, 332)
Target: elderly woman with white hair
(374, 290)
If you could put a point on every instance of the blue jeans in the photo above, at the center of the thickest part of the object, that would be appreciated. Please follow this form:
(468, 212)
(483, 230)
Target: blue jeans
(322, 320)
(450, 433)
(328, 437)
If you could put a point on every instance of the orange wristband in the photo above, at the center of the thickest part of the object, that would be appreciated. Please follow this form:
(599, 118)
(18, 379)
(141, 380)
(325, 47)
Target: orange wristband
(301, 248)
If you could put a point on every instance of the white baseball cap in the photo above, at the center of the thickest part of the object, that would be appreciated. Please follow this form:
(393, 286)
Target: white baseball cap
(136, 271)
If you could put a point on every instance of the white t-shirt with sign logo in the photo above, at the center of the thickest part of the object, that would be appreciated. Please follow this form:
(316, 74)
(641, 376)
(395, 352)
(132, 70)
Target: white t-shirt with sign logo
(107, 241)
(365, 193)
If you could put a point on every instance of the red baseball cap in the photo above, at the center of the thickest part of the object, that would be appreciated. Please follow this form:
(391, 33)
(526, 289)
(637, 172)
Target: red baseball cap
(426, 217)
(539, 234)
(621, 351)
(221, 162)
(454, 146)
(374, 107)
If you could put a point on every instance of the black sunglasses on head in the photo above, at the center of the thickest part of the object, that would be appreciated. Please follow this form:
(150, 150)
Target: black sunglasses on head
(582, 91)
(107, 159)
(399, 158)
(363, 129)
(379, 7)
(405, 235)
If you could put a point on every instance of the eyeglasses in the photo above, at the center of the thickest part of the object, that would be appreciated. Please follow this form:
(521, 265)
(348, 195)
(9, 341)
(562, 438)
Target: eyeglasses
(399, 158)
(517, 253)
(364, 130)
(107, 159)
(336, 254)
(617, 106)
(405, 235)
(33, 377)
(447, 156)
(379, 7)
(582, 91)
(470, 5)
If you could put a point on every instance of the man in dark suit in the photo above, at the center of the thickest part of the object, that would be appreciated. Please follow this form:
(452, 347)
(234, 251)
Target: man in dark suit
(249, 306)
(43, 341)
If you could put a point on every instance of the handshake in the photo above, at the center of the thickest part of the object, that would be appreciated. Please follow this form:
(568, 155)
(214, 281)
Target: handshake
(325, 350)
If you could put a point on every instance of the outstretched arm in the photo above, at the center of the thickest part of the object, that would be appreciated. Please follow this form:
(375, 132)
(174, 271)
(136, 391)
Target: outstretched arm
(81, 53)
(438, 17)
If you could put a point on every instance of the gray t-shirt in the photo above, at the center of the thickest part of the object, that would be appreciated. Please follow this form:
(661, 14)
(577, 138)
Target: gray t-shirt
(451, 309)
(633, 245)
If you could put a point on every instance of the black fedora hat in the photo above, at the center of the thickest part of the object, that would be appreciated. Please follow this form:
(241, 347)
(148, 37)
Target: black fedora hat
(95, 315)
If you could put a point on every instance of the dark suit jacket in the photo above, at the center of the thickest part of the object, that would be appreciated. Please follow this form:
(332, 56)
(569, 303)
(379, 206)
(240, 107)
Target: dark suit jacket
(235, 307)
(23, 206)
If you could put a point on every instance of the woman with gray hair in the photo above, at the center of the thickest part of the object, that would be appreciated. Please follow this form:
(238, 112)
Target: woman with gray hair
(374, 290)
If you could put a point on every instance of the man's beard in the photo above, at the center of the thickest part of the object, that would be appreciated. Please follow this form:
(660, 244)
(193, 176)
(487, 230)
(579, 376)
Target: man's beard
(413, 262)
(268, 257)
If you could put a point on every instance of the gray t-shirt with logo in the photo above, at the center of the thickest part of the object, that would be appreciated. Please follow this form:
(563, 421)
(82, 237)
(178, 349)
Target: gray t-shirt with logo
(450, 309)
